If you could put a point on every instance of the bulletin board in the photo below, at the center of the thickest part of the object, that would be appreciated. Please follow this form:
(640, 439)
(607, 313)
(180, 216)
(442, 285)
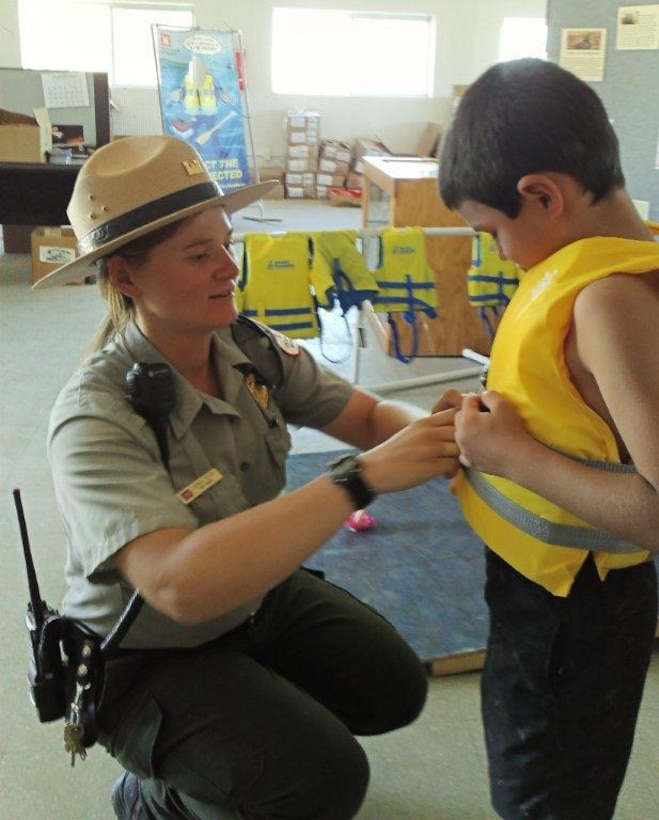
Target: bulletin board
(629, 86)
(72, 98)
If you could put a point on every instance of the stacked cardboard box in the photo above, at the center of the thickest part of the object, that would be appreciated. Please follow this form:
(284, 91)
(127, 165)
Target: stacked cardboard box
(333, 167)
(268, 172)
(302, 144)
(363, 147)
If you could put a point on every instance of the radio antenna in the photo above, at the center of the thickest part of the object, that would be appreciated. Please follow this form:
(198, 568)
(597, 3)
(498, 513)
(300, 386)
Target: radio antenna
(35, 595)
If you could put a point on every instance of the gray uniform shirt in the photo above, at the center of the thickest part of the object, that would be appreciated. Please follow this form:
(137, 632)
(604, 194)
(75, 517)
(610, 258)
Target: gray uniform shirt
(111, 484)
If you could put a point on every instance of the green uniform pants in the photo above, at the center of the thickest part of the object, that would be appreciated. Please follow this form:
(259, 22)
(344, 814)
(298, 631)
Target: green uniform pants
(261, 722)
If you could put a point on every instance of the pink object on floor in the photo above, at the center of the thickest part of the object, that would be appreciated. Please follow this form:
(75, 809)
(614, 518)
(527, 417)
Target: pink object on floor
(359, 521)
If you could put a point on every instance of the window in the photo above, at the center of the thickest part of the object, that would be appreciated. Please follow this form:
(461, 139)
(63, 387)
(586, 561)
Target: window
(523, 37)
(352, 53)
(97, 36)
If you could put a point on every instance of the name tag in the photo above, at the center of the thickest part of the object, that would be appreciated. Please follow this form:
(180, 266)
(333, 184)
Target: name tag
(200, 485)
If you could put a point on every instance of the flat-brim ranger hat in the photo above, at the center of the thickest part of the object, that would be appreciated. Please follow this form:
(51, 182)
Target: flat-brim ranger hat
(133, 186)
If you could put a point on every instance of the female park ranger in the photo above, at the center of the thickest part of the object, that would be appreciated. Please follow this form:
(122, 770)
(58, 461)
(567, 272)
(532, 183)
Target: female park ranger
(239, 687)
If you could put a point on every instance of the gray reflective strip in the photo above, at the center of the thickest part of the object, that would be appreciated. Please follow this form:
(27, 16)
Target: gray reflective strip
(561, 535)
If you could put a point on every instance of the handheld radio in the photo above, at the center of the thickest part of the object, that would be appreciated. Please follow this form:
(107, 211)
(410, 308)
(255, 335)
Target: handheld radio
(152, 394)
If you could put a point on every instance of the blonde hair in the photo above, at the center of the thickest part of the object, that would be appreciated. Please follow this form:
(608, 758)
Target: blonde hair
(120, 310)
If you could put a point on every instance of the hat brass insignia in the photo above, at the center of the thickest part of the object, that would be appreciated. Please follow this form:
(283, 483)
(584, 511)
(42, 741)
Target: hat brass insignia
(193, 167)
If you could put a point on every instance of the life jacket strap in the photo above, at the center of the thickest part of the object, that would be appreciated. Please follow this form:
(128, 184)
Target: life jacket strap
(561, 535)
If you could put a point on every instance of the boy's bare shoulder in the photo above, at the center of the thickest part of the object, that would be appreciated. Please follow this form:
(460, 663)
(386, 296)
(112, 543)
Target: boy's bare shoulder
(616, 291)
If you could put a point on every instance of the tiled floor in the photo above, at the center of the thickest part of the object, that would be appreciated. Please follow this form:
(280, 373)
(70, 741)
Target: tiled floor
(434, 770)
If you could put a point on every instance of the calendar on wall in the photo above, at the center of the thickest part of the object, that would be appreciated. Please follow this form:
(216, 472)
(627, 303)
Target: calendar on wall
(65, 89)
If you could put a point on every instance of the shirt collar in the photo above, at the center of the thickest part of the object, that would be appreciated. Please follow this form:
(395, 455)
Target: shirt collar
(230, 363)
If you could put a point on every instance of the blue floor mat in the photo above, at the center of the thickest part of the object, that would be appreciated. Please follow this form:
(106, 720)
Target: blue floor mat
(420, 566)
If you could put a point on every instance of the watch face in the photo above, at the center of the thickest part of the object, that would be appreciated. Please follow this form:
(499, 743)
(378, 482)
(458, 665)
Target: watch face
(347, 473)
(345, 467)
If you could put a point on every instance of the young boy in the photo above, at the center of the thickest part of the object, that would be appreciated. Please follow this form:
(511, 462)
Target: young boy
(561, 453)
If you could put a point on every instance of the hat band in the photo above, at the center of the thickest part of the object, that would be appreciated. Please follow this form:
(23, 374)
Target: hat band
(146, 214)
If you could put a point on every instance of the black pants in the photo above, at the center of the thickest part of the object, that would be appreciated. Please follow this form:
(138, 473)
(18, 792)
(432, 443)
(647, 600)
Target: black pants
(261, 723)
(561, 689)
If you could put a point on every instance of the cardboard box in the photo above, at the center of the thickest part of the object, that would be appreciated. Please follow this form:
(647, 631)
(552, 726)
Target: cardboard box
(303, 121)
(429, 140)
(302, 151)
(301, 166)
(333, 166)
(364, 147)
(300, 192)
(331, 180)
(307, 178)
(52, 248)
(333, 149)
(303, 128)
(355, 180)
(23, 142)
(302, 138)
(267, 172)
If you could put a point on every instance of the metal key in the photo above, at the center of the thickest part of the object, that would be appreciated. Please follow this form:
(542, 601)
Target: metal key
(73, 741)
(73, 728)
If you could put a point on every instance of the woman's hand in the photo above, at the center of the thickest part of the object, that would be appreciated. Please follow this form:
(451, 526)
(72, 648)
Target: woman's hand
(423, 450)
(490, 433)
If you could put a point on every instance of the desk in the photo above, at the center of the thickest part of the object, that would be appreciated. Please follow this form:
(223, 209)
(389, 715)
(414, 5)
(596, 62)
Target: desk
(35, 193)
(402, 191)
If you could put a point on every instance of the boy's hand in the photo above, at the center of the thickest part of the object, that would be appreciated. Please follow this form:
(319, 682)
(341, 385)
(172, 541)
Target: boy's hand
(450, 398)
(490, 433)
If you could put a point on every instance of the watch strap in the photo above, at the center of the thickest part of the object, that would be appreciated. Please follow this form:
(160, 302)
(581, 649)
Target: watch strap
(346, 472)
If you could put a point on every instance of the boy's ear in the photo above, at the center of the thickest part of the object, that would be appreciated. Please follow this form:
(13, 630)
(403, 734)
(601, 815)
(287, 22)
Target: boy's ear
(119, 274)
(543, 192)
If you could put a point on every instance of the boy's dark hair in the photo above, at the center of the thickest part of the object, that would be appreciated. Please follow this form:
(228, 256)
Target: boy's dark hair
(524, 117)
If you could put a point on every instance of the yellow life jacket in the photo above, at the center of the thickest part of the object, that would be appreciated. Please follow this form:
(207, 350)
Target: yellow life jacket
(200, 100)
(406, 281)
(339, 271)
(491, 281)
(527, 366)
(276, 283)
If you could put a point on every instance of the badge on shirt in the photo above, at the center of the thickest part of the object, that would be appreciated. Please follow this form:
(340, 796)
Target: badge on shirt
(261, 392)
(200, 485)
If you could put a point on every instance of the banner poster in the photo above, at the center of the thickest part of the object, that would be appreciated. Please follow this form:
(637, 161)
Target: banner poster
(200, 99)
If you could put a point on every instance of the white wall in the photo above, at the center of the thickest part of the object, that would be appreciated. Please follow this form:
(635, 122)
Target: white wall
(10, 47)
(467, 43)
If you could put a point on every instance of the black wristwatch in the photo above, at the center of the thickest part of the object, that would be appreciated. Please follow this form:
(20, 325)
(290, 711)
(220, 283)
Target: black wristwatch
(346, 472)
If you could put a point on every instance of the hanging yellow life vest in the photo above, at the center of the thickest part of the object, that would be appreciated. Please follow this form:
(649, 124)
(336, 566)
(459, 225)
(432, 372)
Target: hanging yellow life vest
(276, 283)
(339, 271)
(405, 280)
(491, 280)
(539, 539)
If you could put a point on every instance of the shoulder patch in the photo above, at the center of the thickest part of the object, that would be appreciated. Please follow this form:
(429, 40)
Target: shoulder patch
(287, 345)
